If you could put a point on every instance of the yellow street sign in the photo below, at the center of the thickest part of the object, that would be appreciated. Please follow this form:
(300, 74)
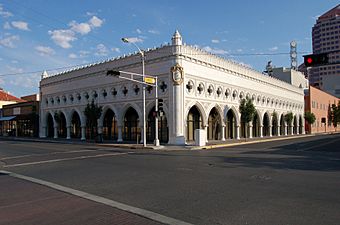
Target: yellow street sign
(150, 80)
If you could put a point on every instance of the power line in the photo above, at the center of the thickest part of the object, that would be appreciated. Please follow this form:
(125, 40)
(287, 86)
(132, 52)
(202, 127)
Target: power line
(40, 71)
(203, 53)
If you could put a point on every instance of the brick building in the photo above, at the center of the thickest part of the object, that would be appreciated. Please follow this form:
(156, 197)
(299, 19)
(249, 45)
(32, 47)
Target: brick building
(319, 103)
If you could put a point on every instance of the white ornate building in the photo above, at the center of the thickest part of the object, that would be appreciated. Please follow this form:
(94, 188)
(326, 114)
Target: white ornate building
(199, 89)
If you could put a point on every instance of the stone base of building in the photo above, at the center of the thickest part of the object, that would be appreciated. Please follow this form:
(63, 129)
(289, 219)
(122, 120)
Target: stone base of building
(179, 140)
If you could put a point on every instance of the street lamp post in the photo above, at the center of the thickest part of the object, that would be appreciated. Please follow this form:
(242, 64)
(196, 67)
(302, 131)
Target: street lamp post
(126, 40)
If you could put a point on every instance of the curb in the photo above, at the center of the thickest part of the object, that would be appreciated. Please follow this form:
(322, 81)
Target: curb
(248, 142)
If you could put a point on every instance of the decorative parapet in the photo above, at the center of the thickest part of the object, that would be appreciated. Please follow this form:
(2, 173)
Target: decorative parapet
(164, 52)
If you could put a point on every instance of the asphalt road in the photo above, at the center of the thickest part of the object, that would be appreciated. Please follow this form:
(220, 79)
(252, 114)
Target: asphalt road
(283, 182)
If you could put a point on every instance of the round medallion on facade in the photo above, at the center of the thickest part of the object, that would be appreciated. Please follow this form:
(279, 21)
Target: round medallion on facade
(177, 74)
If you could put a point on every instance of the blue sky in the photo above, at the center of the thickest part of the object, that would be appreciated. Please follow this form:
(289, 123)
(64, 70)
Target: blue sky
(46, 34)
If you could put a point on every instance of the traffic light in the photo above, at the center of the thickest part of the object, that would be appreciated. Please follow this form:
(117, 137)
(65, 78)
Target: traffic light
(113, 73)
(160, 105)
(316, 59)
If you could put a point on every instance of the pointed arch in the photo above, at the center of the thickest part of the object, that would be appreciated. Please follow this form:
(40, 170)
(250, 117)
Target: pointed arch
(219, 110)
(266, 124)
(295, 125)
(200, 109)
(194, 121)
(275, 124)
(256, 124)
(75, 124)
(282, 125)
(301, 125)
(232, 121)
(109, 124)
(131, 124)
(236, 114)
(50, 124)
(62, 124)
(214, 124)
(80, 114)
(163, 129)
(105, 109)
(123, 111)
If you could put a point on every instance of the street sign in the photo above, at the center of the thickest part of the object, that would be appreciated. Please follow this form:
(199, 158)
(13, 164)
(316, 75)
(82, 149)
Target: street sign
(150, 80)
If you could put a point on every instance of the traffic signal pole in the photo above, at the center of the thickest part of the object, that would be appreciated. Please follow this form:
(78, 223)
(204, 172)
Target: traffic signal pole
(146, 80)
(156, 118)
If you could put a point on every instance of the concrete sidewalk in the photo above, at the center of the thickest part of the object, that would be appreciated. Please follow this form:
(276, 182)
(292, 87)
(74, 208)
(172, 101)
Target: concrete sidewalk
(24, 202)
(166, 147)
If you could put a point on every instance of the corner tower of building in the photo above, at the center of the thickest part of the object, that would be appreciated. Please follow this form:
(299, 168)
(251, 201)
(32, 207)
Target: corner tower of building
(177, 38)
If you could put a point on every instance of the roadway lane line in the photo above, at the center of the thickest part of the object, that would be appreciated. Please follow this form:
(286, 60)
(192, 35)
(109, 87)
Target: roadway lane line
(44, 154)
(65, 159)
(138, 211)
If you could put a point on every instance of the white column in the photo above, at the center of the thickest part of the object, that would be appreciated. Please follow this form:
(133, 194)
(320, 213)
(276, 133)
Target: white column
(83, 133)
(141, 135)
(290, 130)
(250, 130)
(278, 130)
(237, 132)
(120, 134)
(261, 131)
(43, 133)
(297, 129)
(68, 132)
(55, 132)
(206, 133)
(303, 130)
(286, 130)
(223, 133)
(270, 131)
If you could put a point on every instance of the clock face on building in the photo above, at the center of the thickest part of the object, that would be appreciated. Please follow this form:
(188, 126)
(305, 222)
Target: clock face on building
(177, 74)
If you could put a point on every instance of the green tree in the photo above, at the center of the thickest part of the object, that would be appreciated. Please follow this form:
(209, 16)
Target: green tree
(335, 114)
(310, 117)
(247, 110)
(92, 113)
(289, 118)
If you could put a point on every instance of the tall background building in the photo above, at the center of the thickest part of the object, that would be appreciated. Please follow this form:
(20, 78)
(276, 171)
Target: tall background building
(326, 39)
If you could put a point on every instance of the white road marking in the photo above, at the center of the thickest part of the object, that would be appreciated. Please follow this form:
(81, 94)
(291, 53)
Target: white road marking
(65, 159)
(142, 212)
(44, 154)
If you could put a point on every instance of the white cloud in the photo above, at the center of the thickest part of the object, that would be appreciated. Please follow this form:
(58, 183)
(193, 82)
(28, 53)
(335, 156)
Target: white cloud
(9, 41)
(239, 50)
(138, 31)
(14, 62)
(275, 48)
(135, 39)
(153, 31)
(90, 13)
(4, 13)
(72, 56)
(215, 50)
(101, 50)
(21, 25)
(44, 50)
(215, 41)
(63, 37)
(24, 81)
(7, 26)
(83, 53)
(81, 28)
(15, 69)
(95, 22)
(115, 50)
